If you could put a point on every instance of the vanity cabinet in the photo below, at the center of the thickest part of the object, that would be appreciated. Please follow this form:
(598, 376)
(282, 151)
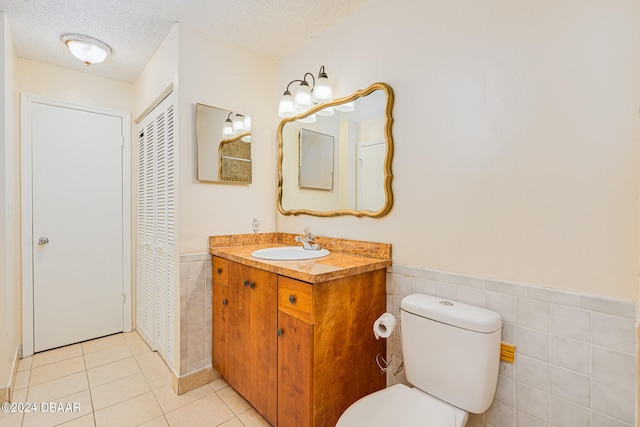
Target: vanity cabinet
(299, 352)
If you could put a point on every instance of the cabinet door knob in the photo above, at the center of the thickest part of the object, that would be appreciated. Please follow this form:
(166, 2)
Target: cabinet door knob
(280, 332)
(224, 302)
(292, 299)
(219, 270)
(246, 283)
(252, 285)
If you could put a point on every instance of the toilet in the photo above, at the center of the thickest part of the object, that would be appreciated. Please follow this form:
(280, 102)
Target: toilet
(451, 355)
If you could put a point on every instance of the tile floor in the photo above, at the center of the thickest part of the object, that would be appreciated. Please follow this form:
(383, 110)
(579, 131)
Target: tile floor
(118, 381)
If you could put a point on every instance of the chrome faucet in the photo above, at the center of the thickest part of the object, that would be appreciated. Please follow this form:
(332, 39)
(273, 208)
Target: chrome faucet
(307, 240)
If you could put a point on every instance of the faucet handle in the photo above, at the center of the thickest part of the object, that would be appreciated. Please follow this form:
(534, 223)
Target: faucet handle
(307, 233)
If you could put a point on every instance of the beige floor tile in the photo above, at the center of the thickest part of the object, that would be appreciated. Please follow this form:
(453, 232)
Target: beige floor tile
(25, 363)
(251, 418)
(169, 400)
(103, 343)
(139, 347)
(133, 412)
(156, 422)
(233, 400)
(107, 355)
(55, 370)
(118, 391)
(22, 380)
(56, 355)
(86, 421)
(233, 422)
(130, 337)
(58, 388)
(218, 384)
(155, 370)
(19, 396)
(50, 418)
(208, 411)
(11, 420)
(113, 371)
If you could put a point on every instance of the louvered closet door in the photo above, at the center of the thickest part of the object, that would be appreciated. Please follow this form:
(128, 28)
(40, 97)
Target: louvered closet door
(165, 228)
(157, 229)
(145, 299)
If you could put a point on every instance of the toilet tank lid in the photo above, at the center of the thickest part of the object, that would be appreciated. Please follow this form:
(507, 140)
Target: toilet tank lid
(452, 313)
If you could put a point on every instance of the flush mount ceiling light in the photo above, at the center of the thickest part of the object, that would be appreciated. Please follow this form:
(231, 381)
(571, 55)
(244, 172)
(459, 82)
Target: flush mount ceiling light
(86, 49)
(306, 96)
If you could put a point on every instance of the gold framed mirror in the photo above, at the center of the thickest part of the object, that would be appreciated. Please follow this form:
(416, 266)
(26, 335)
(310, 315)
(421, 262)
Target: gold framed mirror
(360, 126)
(224, 145)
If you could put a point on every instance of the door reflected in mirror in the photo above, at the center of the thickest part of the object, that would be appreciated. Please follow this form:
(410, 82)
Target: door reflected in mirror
(339, 164)
(224, 145)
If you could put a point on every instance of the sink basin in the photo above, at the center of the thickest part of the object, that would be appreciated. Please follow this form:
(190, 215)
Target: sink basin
(289, 253)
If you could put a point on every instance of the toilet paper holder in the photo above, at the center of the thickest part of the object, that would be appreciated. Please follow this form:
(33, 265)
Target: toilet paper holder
(383, 364)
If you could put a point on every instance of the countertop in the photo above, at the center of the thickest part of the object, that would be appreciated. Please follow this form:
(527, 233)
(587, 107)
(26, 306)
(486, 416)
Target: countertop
(334, 266)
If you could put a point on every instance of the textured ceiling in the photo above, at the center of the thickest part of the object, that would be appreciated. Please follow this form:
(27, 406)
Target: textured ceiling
(135, 28)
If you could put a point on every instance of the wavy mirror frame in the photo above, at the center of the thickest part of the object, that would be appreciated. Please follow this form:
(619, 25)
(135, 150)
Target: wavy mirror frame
(388, 136)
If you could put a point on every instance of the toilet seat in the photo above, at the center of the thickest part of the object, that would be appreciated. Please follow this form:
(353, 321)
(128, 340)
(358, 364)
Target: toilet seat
(399, 405)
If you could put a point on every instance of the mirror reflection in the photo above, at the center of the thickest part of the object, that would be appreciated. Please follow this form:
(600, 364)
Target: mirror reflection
(224, 145)
(336, 158)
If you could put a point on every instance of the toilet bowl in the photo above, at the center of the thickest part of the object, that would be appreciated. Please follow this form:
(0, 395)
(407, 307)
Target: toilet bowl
(451, 354)
(402, 406)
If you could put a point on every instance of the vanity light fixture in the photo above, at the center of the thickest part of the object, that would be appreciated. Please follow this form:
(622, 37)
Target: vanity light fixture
(86, 49)
(237, 126)
(306, 96)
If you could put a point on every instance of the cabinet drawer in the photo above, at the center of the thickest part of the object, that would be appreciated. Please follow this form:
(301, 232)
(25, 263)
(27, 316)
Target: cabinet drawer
(295, 298)
(220, 271)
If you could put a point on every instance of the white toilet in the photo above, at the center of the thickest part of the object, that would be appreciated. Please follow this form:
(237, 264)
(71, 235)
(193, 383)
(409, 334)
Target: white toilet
(451, 355)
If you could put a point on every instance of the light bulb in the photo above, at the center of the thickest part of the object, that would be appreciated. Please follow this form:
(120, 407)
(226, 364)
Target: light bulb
(286, 107)
(347, 107)
(238, 123)
(322, 92)
(303, 100)
(308, 119)
(227, 129)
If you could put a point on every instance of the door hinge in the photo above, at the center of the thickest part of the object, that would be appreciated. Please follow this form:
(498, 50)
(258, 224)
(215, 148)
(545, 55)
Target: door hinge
(122, 141)
(123, 298)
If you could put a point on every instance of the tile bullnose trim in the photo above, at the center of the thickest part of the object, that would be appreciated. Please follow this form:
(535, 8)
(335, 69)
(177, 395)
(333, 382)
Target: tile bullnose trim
(595, 303)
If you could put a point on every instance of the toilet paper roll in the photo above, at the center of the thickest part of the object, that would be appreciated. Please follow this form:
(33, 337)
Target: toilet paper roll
(384, 326)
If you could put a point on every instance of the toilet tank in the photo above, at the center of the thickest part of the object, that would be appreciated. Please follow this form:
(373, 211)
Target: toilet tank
(451, 350)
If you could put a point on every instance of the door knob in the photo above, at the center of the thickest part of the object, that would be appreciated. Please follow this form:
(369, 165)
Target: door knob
(43, 240)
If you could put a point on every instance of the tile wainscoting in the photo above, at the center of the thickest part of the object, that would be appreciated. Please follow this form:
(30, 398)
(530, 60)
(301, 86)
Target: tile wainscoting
(576, 355)
(195, 312)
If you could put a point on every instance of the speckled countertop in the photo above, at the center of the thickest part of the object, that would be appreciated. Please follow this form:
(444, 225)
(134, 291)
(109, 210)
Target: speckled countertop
(347, 257)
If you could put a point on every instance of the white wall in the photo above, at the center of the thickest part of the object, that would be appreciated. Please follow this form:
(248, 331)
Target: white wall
(516, 136)
(221, 74)
(9, 276)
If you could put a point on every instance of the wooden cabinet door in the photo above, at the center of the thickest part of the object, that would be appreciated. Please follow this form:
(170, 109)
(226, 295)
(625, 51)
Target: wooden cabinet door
(239, 330)
(263, 342)
(295, 371)
(220, 342)
(253, 360)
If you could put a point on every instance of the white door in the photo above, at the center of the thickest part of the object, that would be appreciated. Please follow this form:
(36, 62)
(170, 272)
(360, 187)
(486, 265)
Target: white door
(77, 223)
(371, 195)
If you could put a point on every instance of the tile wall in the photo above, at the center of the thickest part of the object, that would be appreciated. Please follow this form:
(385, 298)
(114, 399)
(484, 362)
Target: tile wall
(195, 312)
(576, 355)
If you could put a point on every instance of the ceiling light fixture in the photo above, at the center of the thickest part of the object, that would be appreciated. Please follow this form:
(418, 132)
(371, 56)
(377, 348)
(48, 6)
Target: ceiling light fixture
(86, 49)
(306, 96)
